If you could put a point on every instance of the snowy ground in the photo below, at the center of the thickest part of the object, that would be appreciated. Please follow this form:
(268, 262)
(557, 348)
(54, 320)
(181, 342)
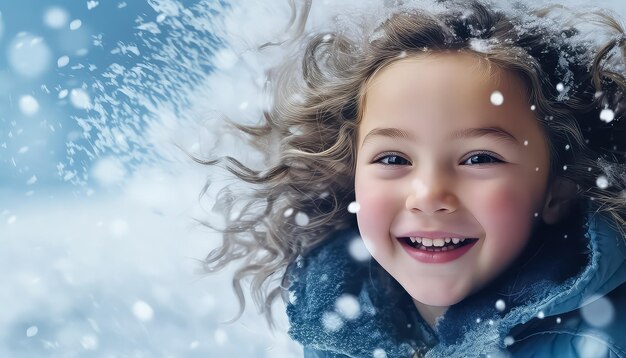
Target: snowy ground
(113, 276)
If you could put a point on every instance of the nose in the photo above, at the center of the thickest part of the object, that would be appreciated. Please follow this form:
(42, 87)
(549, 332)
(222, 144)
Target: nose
(431, 193)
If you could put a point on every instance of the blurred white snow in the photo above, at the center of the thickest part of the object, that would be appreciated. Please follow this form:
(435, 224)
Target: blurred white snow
(118, 274)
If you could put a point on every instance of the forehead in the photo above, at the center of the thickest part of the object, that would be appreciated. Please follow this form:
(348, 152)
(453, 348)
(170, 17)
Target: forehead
(454, 87)
(471, 63)
(451, 72)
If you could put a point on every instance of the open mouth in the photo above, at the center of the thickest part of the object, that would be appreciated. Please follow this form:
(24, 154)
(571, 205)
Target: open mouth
(437, 245)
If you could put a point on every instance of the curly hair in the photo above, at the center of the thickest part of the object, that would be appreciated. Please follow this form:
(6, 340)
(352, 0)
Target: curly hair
(574, 85)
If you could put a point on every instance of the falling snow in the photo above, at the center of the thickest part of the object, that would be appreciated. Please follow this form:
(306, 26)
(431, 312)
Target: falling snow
(379, 353)
(75, 24)
(80, 99)
(29, 55)
(63, 61)
(500, 305)
(354, 207)
(143, 311)
(599, 313)
(332, 321)
(607, 115)
(32, 331)
(497, 98)
(29, 105)
(358, 251)
(602, 182)
(32, 180)
(590, 346)
(150, 27)
(560, 87)
(347, 306)
(56, 17)
(480, 45)
(293, 298)
(220, 336)
(302, 219)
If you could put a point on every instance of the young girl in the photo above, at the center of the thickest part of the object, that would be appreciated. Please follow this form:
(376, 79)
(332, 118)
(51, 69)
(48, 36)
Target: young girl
(477, 153)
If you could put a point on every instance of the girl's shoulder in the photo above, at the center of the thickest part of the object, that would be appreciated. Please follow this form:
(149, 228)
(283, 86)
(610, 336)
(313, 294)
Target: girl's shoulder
(327, 268)
(555, 304)
(340, 302)
(597, 329)
(588, 316)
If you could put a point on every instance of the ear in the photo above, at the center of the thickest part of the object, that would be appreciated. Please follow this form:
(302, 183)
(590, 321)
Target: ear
(559, 199)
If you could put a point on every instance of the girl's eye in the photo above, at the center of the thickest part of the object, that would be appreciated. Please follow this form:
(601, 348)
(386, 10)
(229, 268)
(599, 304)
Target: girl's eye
(392, 159)
(481, 158)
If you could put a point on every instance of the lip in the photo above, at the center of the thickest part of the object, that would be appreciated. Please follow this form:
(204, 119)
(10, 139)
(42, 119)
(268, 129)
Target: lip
(435, 234)
(436, 257)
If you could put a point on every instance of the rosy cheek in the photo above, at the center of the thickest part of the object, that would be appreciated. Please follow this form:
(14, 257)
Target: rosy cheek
(502, 202)
(504, 209)
(369, 209)
(375, 213)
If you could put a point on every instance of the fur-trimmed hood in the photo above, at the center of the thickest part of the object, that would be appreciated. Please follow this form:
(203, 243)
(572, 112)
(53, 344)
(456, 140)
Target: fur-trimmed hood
(343, 304)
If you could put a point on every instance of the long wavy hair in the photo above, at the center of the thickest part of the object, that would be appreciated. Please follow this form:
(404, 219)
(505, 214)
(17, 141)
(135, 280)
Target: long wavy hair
(574, 82)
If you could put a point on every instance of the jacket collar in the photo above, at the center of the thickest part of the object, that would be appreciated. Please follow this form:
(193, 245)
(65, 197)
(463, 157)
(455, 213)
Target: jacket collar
(341, 304)
(344, 305)
(548, 288)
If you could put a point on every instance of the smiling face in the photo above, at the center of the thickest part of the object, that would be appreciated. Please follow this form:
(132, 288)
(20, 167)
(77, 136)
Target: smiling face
(437, 159)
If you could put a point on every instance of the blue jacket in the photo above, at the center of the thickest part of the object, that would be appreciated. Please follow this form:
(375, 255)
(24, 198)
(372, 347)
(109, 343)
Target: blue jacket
(564, 297)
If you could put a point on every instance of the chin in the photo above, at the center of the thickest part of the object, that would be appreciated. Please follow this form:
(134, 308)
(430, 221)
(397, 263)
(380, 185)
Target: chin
(438, 297)
(439, 301)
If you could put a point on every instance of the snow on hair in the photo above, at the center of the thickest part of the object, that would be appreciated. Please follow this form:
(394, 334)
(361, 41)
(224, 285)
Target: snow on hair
(309, 131)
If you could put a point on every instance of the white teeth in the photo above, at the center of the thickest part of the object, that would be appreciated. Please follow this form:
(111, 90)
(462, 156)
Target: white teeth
(439, 242)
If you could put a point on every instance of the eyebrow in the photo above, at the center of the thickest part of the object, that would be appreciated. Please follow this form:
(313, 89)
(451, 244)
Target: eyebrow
(495, 132)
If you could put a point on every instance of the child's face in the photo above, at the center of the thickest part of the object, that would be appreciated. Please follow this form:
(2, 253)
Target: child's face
(436, 155)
